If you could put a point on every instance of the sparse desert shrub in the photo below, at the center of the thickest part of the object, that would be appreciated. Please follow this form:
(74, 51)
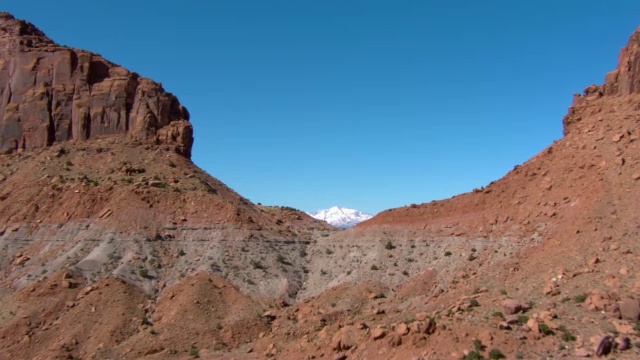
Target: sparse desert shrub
(281, 259)
(545, 329)
(499, 314)
(474, 303)
(380, 296)
(194, 352)
(447, 253)
(580, 298)
(302, 253)
(496, 354)
(567, 336)
(405, 273)
(389, 246)
(522, 319)
(472, 257)
(478, 345)
(328, 251)
(143, 272)
(374, 267)
(474, 355)
(171, 164)
(257, 265)
(181, 253)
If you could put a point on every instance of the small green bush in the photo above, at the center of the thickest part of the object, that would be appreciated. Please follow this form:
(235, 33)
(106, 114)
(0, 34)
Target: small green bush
(580, 298)
(496, 354)
(194, 352)
(281, 259)
(474, 303)
(474, 355)
(499, 314)
(545, 329)
(568, 336)
(522, 319)
(478, 345)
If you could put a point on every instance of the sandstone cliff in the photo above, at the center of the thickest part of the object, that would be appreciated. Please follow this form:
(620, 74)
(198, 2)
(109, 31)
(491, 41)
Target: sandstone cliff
(51, 93)
(623, 81)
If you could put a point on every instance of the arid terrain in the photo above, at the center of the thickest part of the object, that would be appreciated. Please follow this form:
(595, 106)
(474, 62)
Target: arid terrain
(114, 245)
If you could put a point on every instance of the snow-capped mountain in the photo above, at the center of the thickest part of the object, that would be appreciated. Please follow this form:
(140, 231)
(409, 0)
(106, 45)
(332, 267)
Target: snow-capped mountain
(341, 217)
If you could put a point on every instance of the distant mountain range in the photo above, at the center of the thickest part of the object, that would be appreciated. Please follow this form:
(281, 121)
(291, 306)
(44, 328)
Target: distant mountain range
(341, 217)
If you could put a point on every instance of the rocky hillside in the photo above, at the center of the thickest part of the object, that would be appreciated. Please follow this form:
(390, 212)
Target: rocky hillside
(115, 245)
(98, 190)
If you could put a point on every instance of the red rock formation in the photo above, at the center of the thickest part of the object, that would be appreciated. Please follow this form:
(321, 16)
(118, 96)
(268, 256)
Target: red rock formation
(623, 81)
(51, 93)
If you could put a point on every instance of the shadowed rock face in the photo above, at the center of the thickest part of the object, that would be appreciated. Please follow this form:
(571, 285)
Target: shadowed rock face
(50, 93)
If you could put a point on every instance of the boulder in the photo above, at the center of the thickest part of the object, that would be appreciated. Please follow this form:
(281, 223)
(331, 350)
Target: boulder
(378, 333)
(511, 306)
(630, 309)
(344, 339)
(603, 345)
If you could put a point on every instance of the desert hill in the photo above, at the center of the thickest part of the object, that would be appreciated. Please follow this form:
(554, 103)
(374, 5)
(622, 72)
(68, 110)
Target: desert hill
(115, 245)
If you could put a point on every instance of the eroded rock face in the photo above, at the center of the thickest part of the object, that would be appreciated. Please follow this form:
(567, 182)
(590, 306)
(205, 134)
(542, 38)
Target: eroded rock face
(50, 93)
(623, 81)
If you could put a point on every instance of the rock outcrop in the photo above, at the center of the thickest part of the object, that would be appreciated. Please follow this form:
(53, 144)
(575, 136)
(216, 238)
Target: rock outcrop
(51, 93)
(623, 81)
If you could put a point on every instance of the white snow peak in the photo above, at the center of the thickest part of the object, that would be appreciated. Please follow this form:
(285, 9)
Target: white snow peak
(341, 217)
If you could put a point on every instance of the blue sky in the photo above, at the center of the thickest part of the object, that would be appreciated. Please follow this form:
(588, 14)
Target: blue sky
(364, 104)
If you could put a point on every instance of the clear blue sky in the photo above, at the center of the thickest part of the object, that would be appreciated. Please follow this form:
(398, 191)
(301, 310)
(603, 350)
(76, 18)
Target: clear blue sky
(365, 104)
